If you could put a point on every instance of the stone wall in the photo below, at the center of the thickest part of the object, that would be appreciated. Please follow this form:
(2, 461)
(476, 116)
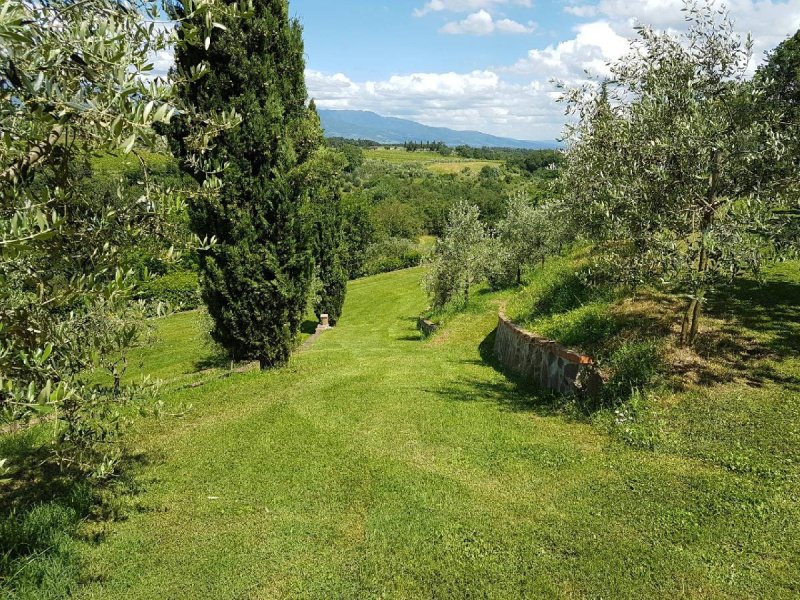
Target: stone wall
(544, 362)
(427, 327)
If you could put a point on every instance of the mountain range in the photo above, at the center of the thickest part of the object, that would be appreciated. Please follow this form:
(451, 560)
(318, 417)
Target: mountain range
(360, 124)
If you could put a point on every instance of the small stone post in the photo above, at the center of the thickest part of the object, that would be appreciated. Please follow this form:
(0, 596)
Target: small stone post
(324, 322)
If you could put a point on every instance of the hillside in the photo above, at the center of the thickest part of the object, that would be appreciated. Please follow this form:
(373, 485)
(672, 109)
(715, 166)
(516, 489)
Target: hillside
(381, 465)
(355, 124)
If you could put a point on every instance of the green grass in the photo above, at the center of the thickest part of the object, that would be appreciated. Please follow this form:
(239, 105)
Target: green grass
(433, 161)
(378, 465)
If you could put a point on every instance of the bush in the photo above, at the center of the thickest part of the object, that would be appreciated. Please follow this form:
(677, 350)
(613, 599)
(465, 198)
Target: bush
(633, 366)
(391, 254)
(180, 289)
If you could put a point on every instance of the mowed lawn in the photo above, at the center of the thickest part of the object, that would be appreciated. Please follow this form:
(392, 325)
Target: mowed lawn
(381, 465)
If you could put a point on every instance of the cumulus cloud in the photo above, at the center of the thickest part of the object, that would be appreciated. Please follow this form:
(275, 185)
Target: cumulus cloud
(769, 21)
(464, 5)
(595, 45)
(482, 23)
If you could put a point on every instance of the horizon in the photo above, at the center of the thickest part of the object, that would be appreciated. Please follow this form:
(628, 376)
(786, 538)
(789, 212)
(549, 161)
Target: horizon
(556, 143)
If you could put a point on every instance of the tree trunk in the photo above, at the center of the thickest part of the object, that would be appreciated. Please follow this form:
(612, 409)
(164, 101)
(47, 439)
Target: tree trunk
(691, 320)
(695, 321)
(686, 326)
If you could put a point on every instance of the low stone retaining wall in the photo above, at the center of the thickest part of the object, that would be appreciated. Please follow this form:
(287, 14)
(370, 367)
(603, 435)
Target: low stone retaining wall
(545, 362)
(426, 327)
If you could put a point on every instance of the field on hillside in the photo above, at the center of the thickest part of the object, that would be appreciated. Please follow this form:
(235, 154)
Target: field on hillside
(432, 161)
(381, 465)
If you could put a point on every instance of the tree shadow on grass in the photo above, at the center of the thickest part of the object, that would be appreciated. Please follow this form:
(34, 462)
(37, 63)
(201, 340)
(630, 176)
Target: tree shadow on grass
(43, 507)
(217, 360)
(748, 330)
(512, 393)
(308, 327)
(771, 308)
(411, 338)
(37, 479)
(760, 330)
(415, 336)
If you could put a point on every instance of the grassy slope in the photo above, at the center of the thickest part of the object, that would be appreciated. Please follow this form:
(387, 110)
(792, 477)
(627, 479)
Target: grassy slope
(431, 160)
(380, 465)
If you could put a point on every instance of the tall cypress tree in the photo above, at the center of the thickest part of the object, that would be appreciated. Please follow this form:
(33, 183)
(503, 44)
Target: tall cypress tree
(256, 278)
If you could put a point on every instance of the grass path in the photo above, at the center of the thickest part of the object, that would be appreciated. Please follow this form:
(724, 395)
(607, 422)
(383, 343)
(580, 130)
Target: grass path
(379, 465)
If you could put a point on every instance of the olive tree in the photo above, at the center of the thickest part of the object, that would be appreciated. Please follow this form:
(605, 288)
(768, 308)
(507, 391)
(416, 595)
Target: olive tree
(75, 82)
(524, 237)
(662, 172)
(778, 80)
(457, 260)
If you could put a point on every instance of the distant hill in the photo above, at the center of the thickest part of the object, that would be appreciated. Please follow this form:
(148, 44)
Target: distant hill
(358, 124)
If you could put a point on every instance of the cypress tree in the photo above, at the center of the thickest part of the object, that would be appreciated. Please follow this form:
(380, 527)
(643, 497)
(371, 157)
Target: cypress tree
(256, 278)
(321, 175)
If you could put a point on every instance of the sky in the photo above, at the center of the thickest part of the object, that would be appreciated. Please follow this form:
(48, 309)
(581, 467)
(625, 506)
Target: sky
(488, 65)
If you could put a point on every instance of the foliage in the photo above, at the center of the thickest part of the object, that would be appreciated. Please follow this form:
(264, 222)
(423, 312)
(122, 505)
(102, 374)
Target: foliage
(779, 77)
(778, 80)
(438, 147)
(358, 232)
(256, 278)
(322, 176)
(660, 163)
(120, 180)
(74, 85)
(428, 197)
(456, 263)
(523, 238)
(633, 365)
(396, 219)
(179, 289)
(391, 254)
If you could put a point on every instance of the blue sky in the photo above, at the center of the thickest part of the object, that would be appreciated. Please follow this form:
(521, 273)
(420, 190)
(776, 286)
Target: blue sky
(487, 64)
(374, 40)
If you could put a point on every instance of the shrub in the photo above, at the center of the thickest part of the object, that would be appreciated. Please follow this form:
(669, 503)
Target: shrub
(633, 365)
(180, 289)
(391, 254)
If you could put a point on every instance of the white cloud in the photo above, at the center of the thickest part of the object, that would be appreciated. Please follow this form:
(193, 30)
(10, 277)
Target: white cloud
(482, 23)
(588, 10)
(769, 21)
(464, 5)
(595, 45)
(518, 100)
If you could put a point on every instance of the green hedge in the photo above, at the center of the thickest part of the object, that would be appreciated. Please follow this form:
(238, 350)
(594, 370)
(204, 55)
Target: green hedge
(180, 288)
(391, 255)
